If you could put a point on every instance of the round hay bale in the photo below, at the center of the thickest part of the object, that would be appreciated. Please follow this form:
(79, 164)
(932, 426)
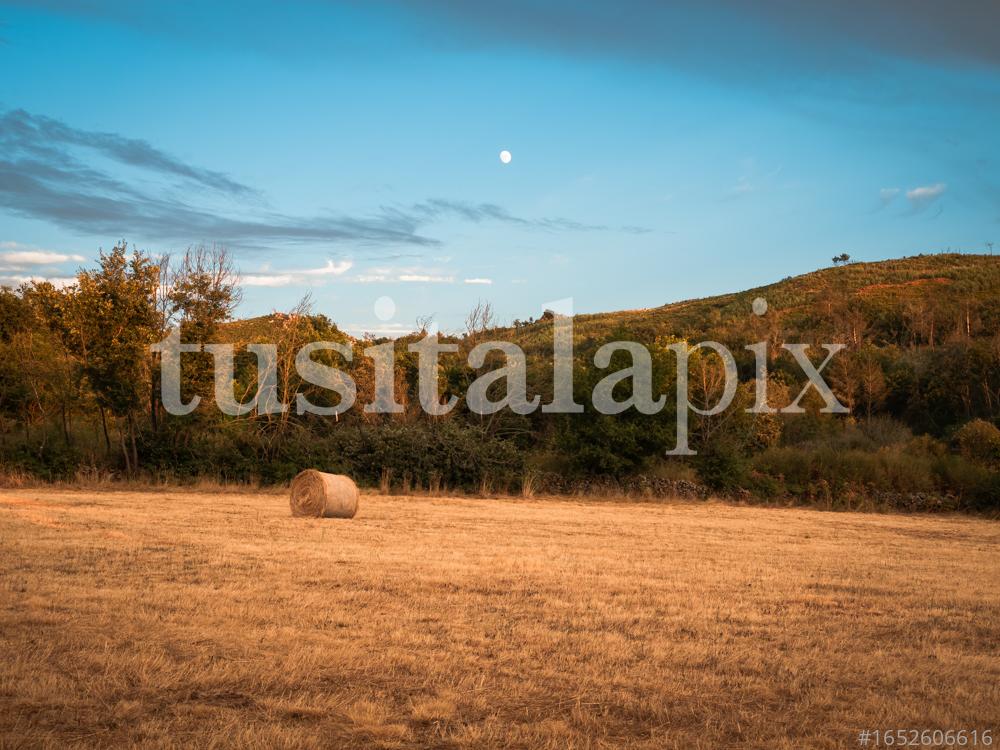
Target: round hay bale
(324, 495)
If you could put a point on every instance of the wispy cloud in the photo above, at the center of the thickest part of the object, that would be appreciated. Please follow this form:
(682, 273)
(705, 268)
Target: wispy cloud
(389, 330)
(921, 197)
(752, 180)
(47, 172)
(479, 281)
(17, 280)
(423, 278)
(478, 213)
(57, 173)
(779, 36)
(772, 36)
(299, 277)
(407, 275)
(887, 196)
(45, 136)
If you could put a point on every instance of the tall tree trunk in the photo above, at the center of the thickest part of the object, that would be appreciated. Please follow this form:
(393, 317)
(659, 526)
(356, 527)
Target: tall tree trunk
(104, 425)
(152, 407)
(121, 439)
(154, 401)
(135, 451)
(65, 424)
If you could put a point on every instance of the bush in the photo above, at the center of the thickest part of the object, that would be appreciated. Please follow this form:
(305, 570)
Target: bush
(722, 467)
(884, 431)
(447, 453)
(887, 470)
(979, 441)
(918, 468)
(595, 444)
(975, 486)
(766, 486)
(50, 460)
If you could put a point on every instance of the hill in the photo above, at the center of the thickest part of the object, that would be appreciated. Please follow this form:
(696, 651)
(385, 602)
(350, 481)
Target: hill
(900, 301)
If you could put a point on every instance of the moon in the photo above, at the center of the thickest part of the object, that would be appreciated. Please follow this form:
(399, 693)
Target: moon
(505, 156)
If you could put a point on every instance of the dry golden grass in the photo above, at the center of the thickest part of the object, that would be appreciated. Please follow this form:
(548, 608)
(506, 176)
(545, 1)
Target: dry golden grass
(191, 619)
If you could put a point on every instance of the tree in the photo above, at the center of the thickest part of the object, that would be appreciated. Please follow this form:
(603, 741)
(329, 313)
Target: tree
(202, 293)
(616, 445)
(20, 400)
(479, 321)
(112, 318)
(842, 258)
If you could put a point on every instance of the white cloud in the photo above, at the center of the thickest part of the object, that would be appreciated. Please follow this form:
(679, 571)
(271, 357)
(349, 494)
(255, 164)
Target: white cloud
(410, 274)
(926, 192)
(268, 278)
(426, 279)
(753, 180)
(330, 269)
(921, 197)
(22, 264)
(57, 281)
(390, 330)
(39, 258)
(22, 255)
(887, 195)
(479, 281)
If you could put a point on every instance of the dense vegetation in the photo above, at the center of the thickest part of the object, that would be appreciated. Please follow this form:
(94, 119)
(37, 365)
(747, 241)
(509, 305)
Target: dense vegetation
(79, 390)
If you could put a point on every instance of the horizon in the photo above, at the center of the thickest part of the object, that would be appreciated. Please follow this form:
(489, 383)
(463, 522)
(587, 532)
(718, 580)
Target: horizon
(363, 161)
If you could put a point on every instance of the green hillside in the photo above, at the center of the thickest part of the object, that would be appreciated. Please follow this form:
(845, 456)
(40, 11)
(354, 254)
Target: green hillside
(896, 298)
(899, 300)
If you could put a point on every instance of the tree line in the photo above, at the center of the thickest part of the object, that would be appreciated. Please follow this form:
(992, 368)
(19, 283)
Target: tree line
(79, 392)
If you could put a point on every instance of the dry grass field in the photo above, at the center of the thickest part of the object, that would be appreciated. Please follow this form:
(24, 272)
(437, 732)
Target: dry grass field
(178, 619)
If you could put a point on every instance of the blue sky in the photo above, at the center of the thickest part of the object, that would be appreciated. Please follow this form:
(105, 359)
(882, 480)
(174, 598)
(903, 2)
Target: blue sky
(350, 150)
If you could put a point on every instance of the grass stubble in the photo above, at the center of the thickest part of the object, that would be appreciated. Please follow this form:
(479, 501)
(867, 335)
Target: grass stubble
(181, 619)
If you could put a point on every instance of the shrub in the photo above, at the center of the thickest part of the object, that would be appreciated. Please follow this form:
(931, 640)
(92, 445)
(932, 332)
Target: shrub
(50, 460)
(885, 470)
(722, 467)
(449, 453)
(979, 441)
(884, 431)
(975, 486)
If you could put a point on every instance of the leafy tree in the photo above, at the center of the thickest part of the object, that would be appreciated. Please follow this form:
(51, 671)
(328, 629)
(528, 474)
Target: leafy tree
(202, 293)
(616, 445)
(113, 318)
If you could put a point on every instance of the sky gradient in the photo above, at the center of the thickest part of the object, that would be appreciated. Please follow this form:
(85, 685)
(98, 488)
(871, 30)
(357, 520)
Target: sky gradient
(350, 150)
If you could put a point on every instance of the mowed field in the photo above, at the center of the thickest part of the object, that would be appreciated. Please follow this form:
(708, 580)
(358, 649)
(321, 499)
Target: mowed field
(185, 619)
